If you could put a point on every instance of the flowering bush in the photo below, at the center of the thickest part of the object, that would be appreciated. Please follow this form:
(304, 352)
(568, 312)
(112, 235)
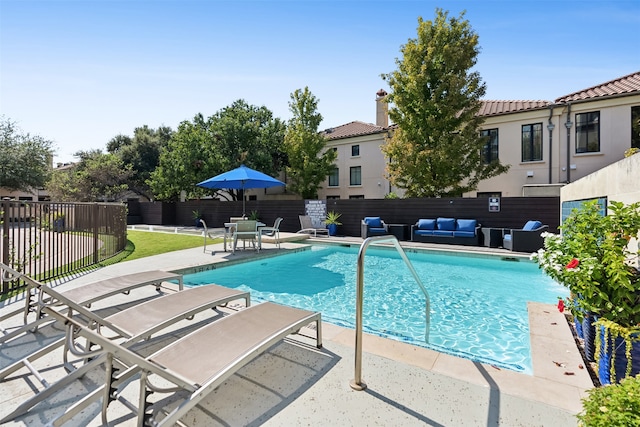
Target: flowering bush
(593, 259)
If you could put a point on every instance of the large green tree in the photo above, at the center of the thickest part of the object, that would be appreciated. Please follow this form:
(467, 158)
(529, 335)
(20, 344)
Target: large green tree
(96, 176)
(25, 160)
(237, 134)
(309, 161)
(435, 99)
(142, 154)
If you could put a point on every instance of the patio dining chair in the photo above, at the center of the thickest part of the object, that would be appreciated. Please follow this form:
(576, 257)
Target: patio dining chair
(246, 230)
(273, 231)
(207, 233)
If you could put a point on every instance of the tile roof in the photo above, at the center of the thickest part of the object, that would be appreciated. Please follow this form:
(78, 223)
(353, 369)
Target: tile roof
(495, 108)
(351, 129)
(626, 85)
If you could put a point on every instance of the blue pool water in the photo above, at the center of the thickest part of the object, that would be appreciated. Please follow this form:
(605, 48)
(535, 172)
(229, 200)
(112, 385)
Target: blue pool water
(478, 304)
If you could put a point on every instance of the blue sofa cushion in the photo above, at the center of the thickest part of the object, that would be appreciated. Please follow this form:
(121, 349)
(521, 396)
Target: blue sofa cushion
(377, 230)
(427, 224)
(532, 225)
(447, 224)
(506, 237)
(466, 225)
(419, 232)
(448, 233)
(373, 221)
(464, 233)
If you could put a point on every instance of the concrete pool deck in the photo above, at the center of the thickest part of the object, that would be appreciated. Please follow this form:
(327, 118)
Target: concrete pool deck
(294, 384)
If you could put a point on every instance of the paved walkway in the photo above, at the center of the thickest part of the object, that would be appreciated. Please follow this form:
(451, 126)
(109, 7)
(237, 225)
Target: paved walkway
(293, 385)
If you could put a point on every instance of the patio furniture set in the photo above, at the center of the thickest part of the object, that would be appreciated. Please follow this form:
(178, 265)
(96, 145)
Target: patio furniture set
(454, 231)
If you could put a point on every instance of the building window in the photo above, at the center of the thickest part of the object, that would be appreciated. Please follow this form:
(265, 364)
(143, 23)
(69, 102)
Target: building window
(355, 150)
(334, 178)
(532, 142)
(588, 132)
(355, 176)
(490, 148)
(359, 196)
(333, 197)
(635, 127)
(487, 194)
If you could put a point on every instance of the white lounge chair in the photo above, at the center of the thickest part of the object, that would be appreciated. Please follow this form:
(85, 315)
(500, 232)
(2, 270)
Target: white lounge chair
(129, 326)
(195, 364)
(307, 227)
(80, 296)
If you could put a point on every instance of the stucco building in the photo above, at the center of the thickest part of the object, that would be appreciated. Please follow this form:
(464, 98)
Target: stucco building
(546, 143)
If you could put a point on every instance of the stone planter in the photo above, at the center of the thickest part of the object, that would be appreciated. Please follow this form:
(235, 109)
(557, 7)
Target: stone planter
(617, 346)
(589, 335)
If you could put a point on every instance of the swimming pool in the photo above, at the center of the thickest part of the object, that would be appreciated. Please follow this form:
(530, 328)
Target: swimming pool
(478, 303)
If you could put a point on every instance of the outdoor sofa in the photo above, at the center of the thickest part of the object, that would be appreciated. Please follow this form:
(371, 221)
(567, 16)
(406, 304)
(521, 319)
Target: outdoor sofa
(446, 230)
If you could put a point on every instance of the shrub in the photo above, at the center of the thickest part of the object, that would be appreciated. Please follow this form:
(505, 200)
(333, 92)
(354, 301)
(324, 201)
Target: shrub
(612, 405)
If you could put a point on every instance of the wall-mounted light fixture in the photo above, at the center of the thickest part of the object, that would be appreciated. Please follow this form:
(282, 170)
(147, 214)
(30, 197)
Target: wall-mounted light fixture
(529, 174)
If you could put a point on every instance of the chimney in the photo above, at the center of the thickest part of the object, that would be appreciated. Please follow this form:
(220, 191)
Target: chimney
(382, 109)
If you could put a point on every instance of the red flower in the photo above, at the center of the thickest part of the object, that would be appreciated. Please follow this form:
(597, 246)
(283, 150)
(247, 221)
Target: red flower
(561, 305)
(573, 264)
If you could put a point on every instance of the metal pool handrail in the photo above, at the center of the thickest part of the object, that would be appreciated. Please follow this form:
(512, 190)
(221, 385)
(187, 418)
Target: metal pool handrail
(357, 383)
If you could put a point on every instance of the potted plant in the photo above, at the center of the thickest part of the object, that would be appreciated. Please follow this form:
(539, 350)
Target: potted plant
(594, 259)
(197, 216)
(332, 222)
(254, 216)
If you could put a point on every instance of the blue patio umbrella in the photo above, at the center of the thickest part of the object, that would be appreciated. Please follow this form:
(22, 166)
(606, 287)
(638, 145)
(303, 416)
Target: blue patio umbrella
(241, 178)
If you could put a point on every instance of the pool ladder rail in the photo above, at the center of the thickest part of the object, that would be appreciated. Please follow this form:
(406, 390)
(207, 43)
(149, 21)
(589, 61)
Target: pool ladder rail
(357, 383)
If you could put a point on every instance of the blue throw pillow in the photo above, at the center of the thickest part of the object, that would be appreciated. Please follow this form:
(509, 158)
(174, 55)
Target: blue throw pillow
(467, 225)
(448, 224)
(532, 225)
(427, 224)
(373, 221)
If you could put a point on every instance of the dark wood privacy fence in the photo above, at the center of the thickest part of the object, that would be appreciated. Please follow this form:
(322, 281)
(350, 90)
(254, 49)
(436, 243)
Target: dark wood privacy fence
(514, 211)
(46, 240)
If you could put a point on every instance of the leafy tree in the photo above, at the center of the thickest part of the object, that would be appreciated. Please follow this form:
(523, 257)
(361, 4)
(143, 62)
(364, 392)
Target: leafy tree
(97, 176)
(304, 145)
(185, 161)
(237, 134)
(436, 150)
(25, 160)
(142, 154)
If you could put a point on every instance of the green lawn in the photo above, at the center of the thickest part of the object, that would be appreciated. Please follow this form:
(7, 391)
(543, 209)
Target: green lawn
(142, 244)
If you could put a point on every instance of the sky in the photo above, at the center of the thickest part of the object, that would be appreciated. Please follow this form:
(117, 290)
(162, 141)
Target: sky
(80, 72)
